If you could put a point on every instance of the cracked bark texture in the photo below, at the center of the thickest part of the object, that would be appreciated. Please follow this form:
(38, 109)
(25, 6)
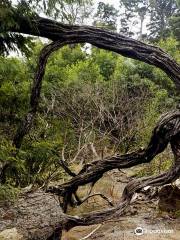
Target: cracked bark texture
(38, 215)
(34, 216)
(55, 31)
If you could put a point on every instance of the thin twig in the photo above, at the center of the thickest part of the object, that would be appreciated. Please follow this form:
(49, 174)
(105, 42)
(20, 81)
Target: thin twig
(91, 233)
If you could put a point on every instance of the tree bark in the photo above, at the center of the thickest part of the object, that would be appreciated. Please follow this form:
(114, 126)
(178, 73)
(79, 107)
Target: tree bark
(43, 27)
(27, 122)
(166, 131)
(38, 215)
(35, 215)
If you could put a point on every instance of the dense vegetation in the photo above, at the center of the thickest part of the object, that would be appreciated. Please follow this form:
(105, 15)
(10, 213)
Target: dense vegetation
(70, 112)
(94, 103)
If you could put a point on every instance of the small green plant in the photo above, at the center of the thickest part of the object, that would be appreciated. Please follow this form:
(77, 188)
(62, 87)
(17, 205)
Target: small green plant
(8, 193)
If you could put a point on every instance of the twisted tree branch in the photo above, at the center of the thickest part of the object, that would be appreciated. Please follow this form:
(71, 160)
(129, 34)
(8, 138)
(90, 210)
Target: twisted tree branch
(43, 27)
(27, 215)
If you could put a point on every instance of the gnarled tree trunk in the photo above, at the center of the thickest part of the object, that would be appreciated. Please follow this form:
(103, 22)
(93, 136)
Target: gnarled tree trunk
(39, 215)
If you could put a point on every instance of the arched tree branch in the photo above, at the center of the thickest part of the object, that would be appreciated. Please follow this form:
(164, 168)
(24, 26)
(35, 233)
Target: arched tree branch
(29, 219)
(27, 122)
(43, 27)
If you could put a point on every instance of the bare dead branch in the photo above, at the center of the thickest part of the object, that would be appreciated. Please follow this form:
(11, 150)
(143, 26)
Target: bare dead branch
(91, 233)
(167, 128)
(63, 164)
(66, 168)
(24, 214)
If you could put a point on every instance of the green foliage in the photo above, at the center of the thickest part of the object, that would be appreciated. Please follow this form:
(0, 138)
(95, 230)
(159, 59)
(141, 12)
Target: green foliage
(154, 108)
(161, 12)
(14, 88)
(160, 16)
(40, 160)
(106, 62)
(33, 164)
(6, 151)
(131, 70)
(8, 193)
(106, 16)
(174, 25)
(175, 22)
(67, 11)
(134, 11)
(15, 165)
(171, 46)
(87, 97)
(60, 65)
(90, 99)
(10, 41)
(84, 71)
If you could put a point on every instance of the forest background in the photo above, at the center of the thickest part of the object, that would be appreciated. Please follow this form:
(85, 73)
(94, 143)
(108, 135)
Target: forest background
(94, 103)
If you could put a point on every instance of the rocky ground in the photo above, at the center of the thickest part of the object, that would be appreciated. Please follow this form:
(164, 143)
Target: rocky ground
(147, 216)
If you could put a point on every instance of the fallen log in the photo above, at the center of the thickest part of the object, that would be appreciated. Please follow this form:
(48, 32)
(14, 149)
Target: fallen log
(35, 215)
